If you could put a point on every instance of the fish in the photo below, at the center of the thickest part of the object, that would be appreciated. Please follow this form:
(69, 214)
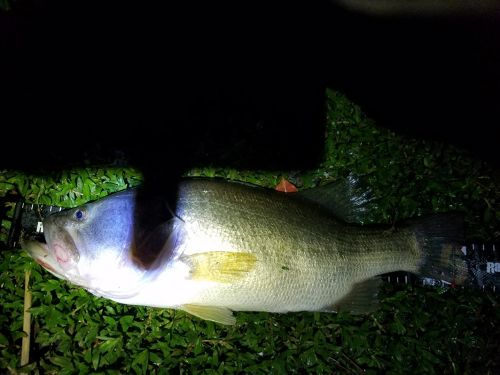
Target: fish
(218, 247)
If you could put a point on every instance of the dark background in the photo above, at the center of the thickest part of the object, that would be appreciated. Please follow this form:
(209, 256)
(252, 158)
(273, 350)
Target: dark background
(167, 87)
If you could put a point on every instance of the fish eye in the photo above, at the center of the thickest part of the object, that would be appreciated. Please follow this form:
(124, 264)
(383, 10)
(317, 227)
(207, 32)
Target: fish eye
(79, 215)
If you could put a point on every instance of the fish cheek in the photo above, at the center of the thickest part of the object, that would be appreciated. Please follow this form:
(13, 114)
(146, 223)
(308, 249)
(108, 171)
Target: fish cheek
(62, 255)
(64, 249)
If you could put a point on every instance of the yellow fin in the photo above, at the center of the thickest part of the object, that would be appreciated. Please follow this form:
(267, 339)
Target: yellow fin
(220, 315)
(220, 266)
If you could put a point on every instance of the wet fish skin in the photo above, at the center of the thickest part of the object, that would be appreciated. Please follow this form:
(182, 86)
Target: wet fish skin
(230, 246)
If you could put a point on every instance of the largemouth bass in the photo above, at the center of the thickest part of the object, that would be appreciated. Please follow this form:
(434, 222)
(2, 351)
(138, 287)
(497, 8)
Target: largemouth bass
(226, 247)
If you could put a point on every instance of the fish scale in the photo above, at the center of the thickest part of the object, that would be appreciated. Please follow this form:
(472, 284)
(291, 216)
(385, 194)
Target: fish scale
(315, 249)
(232, 246)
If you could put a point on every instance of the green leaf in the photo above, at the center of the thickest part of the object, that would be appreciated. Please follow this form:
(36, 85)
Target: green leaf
(109, 344)
(62, 362)
(50, 285)
(140, 362)
(126, 321)
(3, 340)
(96, 356)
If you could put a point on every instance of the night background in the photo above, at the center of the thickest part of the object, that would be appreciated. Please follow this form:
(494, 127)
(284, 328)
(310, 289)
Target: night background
(239, 85)
(100, 97)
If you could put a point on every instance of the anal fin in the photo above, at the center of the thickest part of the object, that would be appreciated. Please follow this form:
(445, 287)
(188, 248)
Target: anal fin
(362, 299)
(216, 314)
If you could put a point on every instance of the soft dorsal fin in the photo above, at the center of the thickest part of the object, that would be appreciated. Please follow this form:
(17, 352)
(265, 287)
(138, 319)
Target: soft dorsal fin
(346, 199)
(216, 314)
(363, 297)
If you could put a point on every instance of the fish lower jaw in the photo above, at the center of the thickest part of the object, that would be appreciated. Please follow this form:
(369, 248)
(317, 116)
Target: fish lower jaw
(35, 249)
(40, 252)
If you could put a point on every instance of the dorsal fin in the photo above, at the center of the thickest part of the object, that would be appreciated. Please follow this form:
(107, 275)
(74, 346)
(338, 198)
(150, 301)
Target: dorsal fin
(346, 199)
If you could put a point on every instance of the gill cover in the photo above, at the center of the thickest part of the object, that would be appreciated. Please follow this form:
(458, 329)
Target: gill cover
(114, 245)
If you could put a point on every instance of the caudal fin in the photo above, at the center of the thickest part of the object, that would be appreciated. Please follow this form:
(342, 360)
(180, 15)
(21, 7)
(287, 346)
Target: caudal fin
(441, 238)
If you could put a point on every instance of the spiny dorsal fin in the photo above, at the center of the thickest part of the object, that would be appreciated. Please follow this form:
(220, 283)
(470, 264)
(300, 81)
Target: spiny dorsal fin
(363, 297)
(346, 199)
(219, 266)
(216, 314)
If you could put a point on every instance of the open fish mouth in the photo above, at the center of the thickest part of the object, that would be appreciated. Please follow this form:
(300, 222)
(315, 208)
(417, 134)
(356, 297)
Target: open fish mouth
(41, 253)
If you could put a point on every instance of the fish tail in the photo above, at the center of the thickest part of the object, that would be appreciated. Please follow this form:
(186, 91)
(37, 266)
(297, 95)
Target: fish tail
(440, 238)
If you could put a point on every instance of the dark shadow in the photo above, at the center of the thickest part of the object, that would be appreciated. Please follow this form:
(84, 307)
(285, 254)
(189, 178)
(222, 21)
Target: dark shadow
(165, 88)
(434, 78)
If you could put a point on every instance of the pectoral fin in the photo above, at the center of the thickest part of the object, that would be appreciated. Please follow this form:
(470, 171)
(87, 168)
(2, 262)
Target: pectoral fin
(220, 315)
(219, 266)
(363, 297)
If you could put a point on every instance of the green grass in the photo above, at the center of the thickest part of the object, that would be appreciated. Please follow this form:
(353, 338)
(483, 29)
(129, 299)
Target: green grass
(416, 330)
